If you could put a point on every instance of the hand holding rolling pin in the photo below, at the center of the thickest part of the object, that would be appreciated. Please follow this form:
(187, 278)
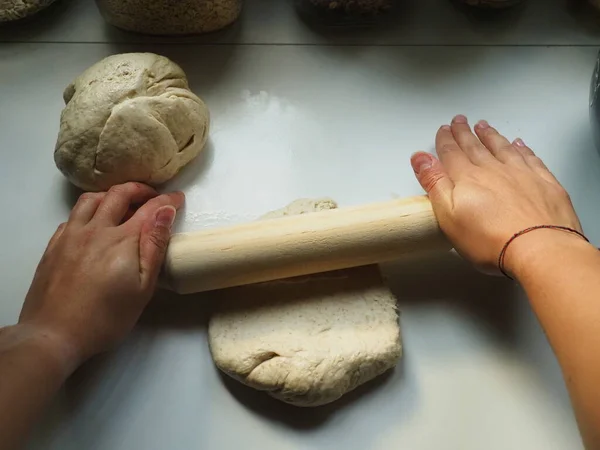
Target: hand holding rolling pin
(99, 270)
(484, 189)
(495, 200)
(94, 280)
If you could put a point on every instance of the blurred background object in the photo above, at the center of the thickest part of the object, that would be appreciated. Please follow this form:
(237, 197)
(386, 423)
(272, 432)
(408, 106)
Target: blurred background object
(165, 17)
(594, 104)
(344, 12)
(11, 10)
(495, 4)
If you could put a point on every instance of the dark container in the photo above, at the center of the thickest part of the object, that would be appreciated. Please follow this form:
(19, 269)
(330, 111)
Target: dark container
(491, 4)
(345, 12)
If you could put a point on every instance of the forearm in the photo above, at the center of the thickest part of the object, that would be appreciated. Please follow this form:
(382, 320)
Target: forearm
(33, 366)
(561, 276)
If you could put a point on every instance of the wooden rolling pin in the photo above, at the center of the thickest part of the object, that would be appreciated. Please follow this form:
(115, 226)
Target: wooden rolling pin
(285, 247)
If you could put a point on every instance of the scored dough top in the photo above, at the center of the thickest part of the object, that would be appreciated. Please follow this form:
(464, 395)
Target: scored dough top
(130, 117)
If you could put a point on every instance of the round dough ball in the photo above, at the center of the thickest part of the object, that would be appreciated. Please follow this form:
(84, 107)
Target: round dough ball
(19, 9)
(307, 340)
(130, 117)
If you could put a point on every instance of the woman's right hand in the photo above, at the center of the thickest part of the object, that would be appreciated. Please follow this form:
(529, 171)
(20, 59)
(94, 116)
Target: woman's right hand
(484, 189)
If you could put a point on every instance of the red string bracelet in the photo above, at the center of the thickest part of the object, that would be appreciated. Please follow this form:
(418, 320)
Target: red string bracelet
(527, 230)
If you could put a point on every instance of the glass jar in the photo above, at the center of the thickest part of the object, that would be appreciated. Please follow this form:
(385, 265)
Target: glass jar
(170, 17)
(12, 10)
(344, 12)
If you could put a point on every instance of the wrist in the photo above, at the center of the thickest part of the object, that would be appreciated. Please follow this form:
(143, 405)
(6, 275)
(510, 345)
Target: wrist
(539, 247)
(51, 347)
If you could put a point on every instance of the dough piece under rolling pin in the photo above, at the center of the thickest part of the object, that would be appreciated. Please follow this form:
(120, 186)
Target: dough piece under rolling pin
(307, 340)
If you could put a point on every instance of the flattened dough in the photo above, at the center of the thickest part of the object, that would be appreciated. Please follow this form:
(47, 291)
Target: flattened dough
(307, 340)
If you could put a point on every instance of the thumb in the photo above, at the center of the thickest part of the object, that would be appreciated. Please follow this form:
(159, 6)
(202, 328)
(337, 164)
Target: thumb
(433, 178)
(154, 240)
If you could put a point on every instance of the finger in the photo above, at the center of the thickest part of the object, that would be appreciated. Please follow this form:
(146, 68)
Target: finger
(454, 160)
(522, 148)
(117, 201)
(86, 207)
(154, 239)
(497, 144)
(129, 214)
(469, 143)
(535, 163)
(147, 211)
(433, 178)
(56, 236)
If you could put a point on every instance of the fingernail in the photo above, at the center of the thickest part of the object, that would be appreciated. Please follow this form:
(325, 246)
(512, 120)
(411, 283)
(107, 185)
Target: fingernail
(460, 119)
(519, 142)
(445, 128)
(483, 124)
(165, 216)
(421, 162)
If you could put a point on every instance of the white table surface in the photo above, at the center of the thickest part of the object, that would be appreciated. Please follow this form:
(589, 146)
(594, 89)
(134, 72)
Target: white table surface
(300, 113)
